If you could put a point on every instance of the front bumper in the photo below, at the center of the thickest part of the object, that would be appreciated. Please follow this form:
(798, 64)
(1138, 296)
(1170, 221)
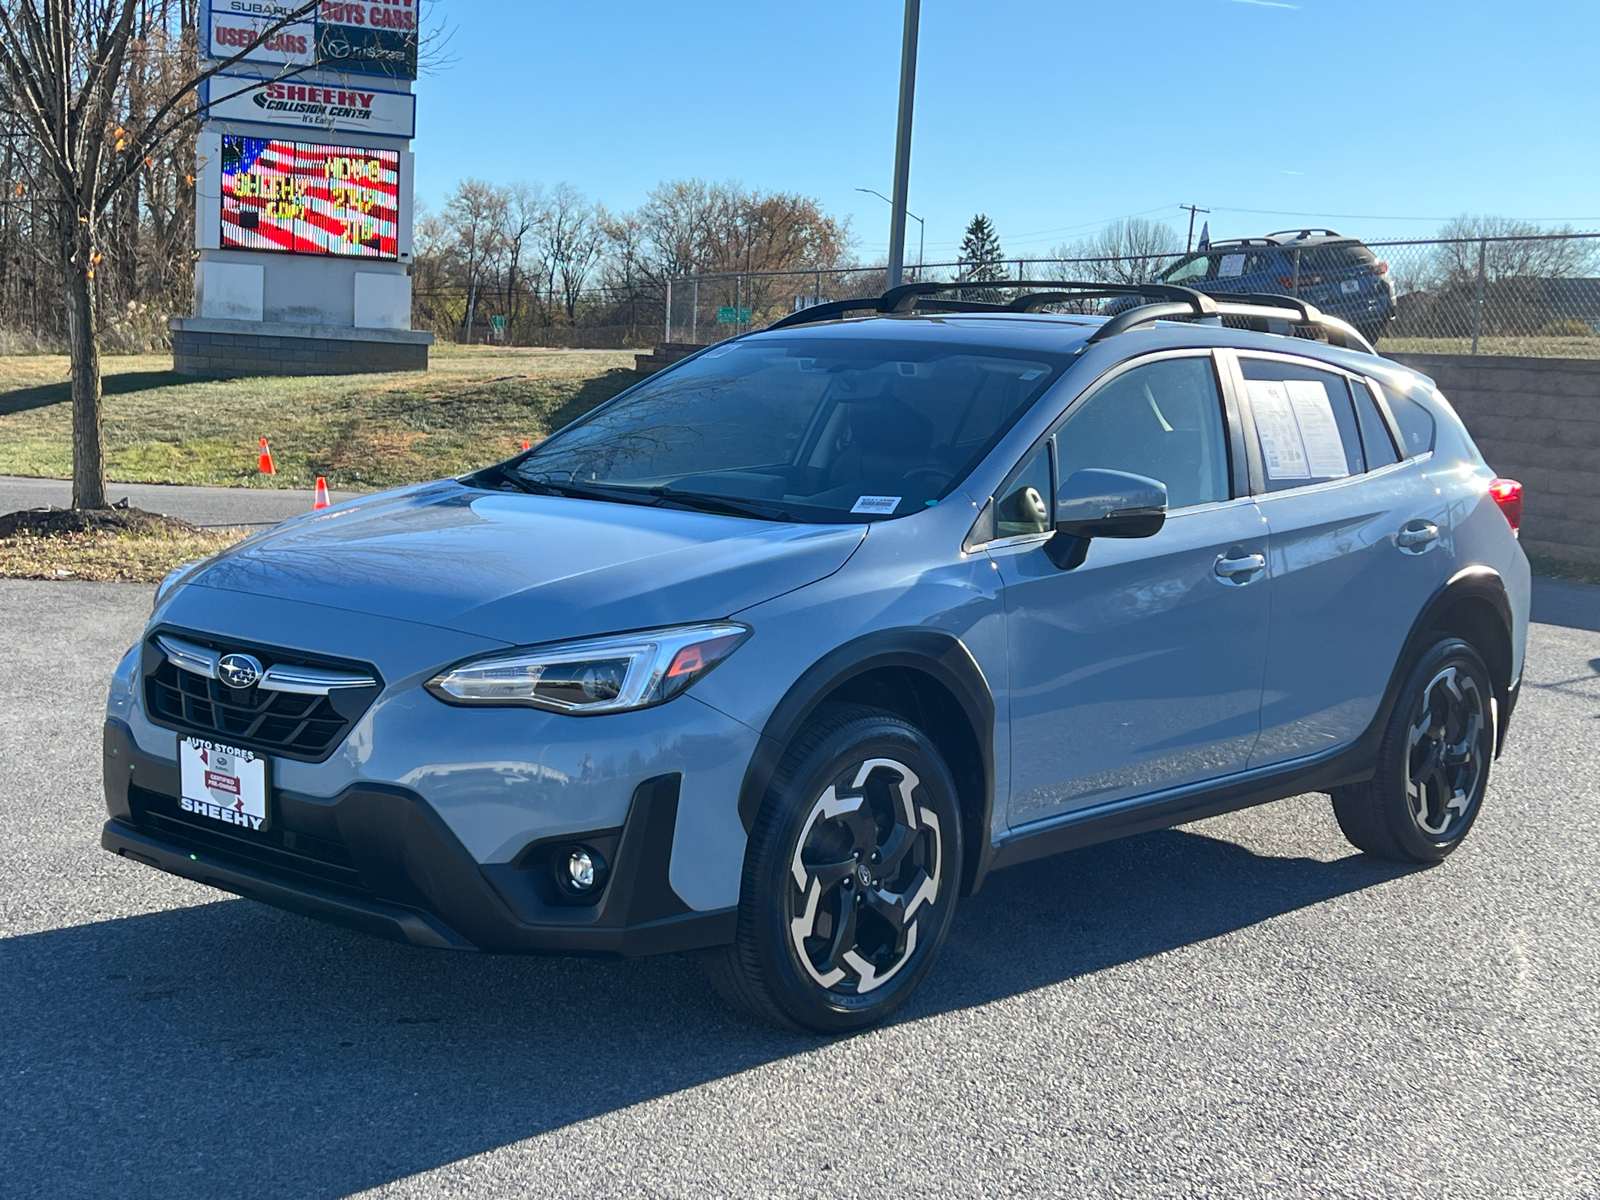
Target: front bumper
(377, 858)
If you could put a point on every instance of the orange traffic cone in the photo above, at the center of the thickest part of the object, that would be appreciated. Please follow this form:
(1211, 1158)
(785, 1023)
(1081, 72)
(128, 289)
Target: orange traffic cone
(265, 461)
(322, 494)
(526, 445)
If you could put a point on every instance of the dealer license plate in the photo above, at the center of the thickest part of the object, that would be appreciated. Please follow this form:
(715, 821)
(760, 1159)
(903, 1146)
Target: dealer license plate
(1349, 286)
(223, 783)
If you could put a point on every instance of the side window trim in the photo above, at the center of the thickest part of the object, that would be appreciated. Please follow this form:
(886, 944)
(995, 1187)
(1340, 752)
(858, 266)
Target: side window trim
(1258, 474)
(1385, 417)
(1233, 380)
(1381, 398)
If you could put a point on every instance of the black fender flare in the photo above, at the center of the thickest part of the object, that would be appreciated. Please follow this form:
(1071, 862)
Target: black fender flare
(1474, 582)
(936, 653)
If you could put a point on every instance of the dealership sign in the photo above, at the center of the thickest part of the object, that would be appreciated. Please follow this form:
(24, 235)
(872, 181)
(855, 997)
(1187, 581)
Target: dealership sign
(291, 45)
(310, 199)
(368, 51)
(311, 105)
(371, 38)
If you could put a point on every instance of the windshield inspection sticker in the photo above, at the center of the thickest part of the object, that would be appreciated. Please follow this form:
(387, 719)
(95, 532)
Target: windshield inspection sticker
(1282, 449)
(882, 505)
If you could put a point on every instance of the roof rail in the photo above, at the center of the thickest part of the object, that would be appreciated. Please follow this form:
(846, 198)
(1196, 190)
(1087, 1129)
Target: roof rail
(925, 295)
(1163, 302)
(1304, 233)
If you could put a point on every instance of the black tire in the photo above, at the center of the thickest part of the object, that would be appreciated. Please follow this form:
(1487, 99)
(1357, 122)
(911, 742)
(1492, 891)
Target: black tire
(887, 904)
(1373, 330)
(1433, 766)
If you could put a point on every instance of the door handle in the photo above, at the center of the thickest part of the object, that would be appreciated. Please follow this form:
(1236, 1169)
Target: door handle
(1417, 535)
(1248, 565)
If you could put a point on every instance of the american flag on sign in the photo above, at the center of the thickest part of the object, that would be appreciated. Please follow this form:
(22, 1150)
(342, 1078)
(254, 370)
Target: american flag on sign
(310, 199)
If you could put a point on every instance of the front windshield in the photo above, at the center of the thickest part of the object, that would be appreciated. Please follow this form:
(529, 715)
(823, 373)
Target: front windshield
(804, 429)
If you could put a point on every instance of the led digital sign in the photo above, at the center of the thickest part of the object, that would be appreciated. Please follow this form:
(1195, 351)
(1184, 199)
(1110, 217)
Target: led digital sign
(309, 199)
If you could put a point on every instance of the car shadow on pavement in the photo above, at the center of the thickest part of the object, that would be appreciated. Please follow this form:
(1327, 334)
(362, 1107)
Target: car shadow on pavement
(229, 1049)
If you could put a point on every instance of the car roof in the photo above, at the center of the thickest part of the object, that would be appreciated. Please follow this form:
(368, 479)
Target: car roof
(1284, 238)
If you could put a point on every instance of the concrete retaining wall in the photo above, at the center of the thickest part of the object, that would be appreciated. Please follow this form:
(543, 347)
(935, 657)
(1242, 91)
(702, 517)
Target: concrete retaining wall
(1536, 420)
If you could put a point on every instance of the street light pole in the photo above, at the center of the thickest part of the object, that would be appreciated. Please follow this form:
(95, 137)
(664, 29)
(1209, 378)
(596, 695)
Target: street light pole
(902, 145)
(922, 226)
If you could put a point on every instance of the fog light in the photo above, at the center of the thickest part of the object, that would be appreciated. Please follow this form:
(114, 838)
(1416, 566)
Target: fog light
(581, 870)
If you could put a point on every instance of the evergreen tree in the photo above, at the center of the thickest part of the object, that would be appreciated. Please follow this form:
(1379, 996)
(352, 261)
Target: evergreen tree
(981, 259)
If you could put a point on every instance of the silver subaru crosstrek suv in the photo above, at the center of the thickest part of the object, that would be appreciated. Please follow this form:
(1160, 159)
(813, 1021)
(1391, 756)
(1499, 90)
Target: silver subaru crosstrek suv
(775, 655)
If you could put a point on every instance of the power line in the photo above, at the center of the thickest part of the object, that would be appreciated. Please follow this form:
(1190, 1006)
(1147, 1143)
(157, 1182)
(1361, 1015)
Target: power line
(1281, 212)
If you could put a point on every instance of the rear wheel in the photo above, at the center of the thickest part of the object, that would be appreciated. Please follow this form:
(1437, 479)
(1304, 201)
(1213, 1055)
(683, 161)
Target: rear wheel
(1372, 330)
(850, 877)
(1434, 763)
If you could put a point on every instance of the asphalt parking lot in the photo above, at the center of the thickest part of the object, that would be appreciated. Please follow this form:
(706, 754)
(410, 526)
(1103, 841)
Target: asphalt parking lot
(1244, 1007)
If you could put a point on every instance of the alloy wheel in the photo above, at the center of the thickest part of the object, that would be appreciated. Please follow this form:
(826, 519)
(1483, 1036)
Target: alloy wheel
(1446, 753)
(866, 872)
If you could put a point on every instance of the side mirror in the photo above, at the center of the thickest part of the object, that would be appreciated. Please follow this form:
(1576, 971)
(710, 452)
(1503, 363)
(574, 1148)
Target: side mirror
(1097, 504)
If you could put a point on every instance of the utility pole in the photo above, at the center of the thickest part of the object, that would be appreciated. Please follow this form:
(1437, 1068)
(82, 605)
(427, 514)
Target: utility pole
(1189, 245)
(902, 146)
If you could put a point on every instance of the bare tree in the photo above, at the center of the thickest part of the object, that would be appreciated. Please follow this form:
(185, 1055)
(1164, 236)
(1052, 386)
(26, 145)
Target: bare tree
(65, 65)
(573, 241)
(526, 215)
(1132, 250)
(1537, 252)
(476, 212)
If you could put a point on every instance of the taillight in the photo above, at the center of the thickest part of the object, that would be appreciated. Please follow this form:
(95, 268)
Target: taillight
(1379, 268)
(1507, 493)
(1305, 280)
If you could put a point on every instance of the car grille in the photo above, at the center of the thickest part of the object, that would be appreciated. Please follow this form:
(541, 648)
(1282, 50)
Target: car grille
(281, 853)
(289, 724)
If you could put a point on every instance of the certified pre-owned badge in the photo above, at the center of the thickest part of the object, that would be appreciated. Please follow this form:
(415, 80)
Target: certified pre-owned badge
(239, 670)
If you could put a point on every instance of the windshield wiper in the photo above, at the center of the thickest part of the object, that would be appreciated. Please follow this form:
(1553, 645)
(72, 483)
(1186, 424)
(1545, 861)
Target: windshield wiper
(706, 502)
(574, 491)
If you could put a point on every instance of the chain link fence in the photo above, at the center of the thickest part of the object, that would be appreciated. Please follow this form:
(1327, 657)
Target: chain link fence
(1531, 296)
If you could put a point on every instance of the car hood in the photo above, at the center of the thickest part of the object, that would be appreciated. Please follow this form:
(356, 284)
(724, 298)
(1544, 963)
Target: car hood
(524, 569)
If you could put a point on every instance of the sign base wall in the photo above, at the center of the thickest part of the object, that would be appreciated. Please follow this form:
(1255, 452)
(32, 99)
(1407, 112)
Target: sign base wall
(216, 348)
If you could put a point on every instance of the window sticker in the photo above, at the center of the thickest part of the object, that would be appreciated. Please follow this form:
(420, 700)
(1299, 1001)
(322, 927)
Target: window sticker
(1295, 424)
(1319, 432)
(881, 505)
(1232, 266)
(1282, 449)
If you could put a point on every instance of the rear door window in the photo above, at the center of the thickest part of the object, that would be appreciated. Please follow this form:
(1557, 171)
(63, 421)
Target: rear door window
(1415, 422)
(1305, 423)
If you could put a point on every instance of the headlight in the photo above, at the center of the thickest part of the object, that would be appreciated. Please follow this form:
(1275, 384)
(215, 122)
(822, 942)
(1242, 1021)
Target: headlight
(596, 675)
(173, 578)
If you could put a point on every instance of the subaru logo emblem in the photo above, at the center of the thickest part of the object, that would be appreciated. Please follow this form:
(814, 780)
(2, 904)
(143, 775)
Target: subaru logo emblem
(239, 670)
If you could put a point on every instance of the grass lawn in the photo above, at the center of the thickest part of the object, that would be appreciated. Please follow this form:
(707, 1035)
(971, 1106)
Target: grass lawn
(109, 558)
(474, 406)
(1524, 347)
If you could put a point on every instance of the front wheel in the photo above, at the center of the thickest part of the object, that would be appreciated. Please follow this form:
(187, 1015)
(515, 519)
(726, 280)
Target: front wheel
(850, 877)
(1433, 766)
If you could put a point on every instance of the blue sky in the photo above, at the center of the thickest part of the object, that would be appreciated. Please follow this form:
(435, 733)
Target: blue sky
(1377, 117)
